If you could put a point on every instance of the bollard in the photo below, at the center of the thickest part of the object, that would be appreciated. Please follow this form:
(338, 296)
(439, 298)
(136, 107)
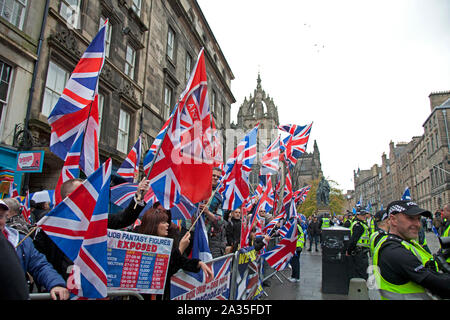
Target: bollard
(357, 289)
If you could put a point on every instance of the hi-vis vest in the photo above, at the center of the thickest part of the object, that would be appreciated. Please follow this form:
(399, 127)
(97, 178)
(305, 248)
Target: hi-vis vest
(325, 223)
(409, 290)
(300, 237)
(373, 226)
(446, 233)
(372, 240)
(363, 241)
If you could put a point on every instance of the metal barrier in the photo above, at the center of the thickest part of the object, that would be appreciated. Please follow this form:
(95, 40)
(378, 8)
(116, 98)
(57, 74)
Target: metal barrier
(111, 293)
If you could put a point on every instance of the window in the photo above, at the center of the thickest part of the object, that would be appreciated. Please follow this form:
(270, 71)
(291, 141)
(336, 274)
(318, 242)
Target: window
(213, 102)
(5, 80)
(168, 92)
(13, 11)
(123, 132)
(101, 103)
(170, 43)
(129, 62)
(70, 11)
(136, 6)
(54, 86)
(187, 67)
(107, 35)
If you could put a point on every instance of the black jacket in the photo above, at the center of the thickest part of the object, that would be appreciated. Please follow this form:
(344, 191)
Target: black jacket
(233, 232)
(313, 228)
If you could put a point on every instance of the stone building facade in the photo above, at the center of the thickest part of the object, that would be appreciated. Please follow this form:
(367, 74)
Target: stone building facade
(260, 108)
(421, 164)
(151, 48)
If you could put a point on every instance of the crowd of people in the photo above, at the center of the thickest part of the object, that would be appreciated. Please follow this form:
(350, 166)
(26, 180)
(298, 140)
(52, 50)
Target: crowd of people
(393, 238)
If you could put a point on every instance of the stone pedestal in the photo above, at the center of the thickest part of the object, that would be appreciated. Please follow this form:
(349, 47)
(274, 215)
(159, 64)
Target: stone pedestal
(321, 210)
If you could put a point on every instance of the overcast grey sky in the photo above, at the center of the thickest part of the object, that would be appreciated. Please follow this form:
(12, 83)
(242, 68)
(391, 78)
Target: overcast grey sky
(360, 70)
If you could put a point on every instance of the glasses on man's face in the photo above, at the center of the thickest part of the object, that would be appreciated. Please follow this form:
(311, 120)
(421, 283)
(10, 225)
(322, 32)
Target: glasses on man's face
(216, 176)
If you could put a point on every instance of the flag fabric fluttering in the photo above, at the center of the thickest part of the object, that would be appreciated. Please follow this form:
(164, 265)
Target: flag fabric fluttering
(294, 145)
(270, 159)
(78, 226)
(77, 107)
(200, 245)
(130, 166)
(26, 211)
(71, 167)
(301, 194)
(406, 194)
(184, 163)
(234, 185)
(279, 257)
(122, 194)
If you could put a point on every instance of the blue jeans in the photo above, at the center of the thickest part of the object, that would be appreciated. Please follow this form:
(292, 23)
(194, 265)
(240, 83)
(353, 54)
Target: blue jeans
(316, 239)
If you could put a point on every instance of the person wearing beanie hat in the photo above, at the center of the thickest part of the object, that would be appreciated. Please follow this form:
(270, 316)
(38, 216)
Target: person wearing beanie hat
(403, 269)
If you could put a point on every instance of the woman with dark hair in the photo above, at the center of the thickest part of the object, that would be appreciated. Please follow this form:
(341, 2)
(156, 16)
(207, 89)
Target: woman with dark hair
(156, 223)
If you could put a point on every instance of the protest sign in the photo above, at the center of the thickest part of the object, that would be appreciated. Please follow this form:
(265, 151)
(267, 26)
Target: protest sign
(192, 286)
(248, 281)
(137, 261)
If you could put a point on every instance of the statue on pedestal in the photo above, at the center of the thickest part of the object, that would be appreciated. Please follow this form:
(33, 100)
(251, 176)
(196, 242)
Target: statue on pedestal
(323, 193)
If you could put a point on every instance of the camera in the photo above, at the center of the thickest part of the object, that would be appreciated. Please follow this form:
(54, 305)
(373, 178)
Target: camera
(443, 254)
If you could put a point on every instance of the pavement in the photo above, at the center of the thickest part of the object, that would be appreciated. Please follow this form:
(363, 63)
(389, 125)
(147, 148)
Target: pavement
(310, 285)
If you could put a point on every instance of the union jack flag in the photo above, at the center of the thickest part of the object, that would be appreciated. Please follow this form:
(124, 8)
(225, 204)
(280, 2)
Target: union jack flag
(234, 184)
(26, 211)
(71, 168)
(269, 227)
(216, 146)
(279, 257)
(13, 193)
(78, 225)
(300, 195)
(130, 166)
(187, 285)
(77, 108)
(183, 166)
(122, 194)
(294, 145)
(155, 145)
(270, 159)
(288, 193)
(266, 201)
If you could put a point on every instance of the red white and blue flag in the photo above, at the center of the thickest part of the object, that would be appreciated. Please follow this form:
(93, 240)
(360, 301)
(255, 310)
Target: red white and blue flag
(78, 226)
(300, 195)
(279, 257)
(122, 194)
(294, 144)
(184, 163)
(234, 184)
(26, 211)
(270, 159)
(77, 107)
(71, 168)
(130, 166)
(193, 286)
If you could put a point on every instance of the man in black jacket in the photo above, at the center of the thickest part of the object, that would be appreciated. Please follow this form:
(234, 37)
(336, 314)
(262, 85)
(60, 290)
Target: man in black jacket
(314, 231)
(117, 220)
(233, 231)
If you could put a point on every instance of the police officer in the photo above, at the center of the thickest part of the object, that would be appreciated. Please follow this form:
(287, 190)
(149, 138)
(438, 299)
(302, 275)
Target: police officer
(403, 269)
(295, 261)
(358, 246)
(381, 229)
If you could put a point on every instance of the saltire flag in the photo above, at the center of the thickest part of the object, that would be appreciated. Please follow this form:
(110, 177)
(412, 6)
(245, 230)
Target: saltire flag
(200, 246)
(294, 145)
(78, 226)
(122, 194)
(130, 166)
(184, 163)
(71, 167)
(270, 159)
(279, 257)
(359, 203)
(234, 185)
(182, 283)
(77, 107)
(369, 207)
(406, 194)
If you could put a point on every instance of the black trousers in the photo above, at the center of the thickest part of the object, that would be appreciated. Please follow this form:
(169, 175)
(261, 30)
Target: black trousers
(358, 264)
